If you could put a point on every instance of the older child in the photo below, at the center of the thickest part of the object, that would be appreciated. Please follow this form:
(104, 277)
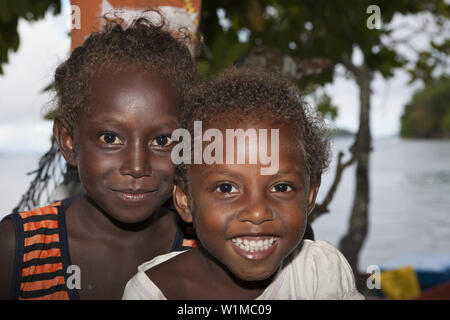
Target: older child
(117, 105)
(250, 222)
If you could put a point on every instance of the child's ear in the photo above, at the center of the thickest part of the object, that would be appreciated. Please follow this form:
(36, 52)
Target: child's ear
(64, 137)
(313, 191)
(181, 203)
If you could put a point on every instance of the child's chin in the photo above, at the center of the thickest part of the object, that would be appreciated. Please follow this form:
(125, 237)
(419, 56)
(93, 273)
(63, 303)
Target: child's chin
(135, 217)
(258, 275)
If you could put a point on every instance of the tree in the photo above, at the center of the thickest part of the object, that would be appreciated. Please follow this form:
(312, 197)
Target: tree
(10, 12)
(282, 33)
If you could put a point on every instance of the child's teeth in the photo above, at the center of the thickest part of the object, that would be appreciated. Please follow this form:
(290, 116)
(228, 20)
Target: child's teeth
(252, 245)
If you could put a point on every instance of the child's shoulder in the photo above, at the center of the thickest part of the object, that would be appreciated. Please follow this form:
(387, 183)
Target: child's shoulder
(322, 271)
(152, 264)
(161, 274)
(49, 209)
(319, 255)
(47, 216)
(318, 247)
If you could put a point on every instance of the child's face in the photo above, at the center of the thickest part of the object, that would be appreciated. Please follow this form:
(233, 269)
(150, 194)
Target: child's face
(122, 145)
(248, 221)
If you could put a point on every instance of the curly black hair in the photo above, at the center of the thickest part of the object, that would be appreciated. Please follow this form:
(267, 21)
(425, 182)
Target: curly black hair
(251, 92)
(142, 43)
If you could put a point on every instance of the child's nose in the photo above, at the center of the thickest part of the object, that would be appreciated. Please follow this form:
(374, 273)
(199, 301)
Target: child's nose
(137, 161)
(257, 212)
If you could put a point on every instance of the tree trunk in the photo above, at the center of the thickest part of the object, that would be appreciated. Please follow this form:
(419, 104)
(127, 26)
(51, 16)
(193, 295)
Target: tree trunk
(351, 244)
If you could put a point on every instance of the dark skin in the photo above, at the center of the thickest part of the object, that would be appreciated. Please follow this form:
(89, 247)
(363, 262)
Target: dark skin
(122, 151)
(7, 244)
(227, 202)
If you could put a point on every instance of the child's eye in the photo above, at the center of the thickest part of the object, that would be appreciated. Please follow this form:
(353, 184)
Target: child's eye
(110, 138)
(162, 141)
(226, 188)
(281, 187)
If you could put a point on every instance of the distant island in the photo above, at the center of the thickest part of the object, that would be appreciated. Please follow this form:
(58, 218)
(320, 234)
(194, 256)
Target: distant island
(341, 133)
(428, 113)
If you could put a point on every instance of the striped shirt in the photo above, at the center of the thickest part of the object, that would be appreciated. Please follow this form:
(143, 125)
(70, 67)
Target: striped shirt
(42, 260)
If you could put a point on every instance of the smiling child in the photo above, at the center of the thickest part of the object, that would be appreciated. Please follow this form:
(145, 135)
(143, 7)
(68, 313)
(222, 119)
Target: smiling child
(250, 224)
(118, 99)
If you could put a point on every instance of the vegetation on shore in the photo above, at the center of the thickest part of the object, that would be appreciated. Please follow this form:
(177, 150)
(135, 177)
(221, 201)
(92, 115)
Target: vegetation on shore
(427, 115)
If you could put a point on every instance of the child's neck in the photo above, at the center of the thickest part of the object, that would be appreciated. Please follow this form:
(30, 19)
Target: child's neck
(104, 251)
(229, 286)
(98, 223)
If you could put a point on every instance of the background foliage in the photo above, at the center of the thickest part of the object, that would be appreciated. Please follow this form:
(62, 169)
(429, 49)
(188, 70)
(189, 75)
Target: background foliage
(10, 13)
(428, 113)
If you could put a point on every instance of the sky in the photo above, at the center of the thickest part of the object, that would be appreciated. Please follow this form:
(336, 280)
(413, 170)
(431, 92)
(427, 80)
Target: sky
(45, 44)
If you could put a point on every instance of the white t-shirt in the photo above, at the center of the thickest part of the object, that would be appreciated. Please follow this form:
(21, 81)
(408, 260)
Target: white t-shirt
(314, 271)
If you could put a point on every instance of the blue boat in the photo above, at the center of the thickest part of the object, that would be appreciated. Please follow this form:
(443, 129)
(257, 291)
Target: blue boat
(431, 271)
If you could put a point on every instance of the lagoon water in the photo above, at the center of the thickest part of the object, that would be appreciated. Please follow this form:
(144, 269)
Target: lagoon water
(410, 197)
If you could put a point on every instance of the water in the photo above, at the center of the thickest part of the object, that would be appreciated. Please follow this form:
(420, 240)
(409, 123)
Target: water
(410, 197)
(14, 179)
(410, 200)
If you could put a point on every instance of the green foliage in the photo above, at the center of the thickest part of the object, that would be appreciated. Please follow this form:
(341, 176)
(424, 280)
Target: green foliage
(310, 28)
(10, 12)
(317, 28)
(428, 113)
(325, 106)
(429, 60)
(446, 124)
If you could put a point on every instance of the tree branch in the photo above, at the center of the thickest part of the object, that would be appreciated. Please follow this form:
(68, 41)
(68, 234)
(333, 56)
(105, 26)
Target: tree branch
(288, 65)
(322, 208)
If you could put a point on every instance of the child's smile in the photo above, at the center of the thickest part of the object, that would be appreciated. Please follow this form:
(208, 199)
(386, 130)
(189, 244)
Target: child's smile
(248, 221)
(255, 247)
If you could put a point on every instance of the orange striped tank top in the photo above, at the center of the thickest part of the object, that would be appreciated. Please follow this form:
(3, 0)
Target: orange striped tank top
(41, 255)
(42, 260)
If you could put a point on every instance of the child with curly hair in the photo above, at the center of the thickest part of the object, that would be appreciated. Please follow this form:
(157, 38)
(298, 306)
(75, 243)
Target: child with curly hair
(118, 99)
(249, 216)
